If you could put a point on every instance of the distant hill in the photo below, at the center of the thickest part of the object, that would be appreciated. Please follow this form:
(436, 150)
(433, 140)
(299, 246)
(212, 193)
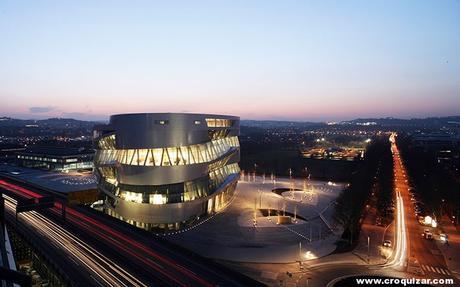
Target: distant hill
(68, 123)
(52, 123)
(432, 122)
(418, 122)
(275, 124)
(10, 127)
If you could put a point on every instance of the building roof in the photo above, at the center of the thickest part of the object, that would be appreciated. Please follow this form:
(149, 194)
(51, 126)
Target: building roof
(57, 151)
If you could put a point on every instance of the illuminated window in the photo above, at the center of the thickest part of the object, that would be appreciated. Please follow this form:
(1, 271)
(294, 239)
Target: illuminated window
(107, 142)
(157, 199)
(219, 123)
(170, 156)
(132, 196)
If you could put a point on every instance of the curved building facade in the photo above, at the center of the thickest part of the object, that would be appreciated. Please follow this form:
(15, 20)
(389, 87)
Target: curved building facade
(163, 171)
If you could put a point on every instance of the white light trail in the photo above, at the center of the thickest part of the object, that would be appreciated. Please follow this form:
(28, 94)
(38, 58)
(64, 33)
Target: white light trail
(398, 258)
(400, 252)
(102, 268)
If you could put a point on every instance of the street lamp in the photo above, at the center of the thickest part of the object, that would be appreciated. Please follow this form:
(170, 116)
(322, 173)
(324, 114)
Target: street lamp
(300, 251)
(368, 250)
(260, 198)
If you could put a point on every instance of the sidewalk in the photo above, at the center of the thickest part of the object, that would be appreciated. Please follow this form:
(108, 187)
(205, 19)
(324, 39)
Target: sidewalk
(376, 235)
(451, 252)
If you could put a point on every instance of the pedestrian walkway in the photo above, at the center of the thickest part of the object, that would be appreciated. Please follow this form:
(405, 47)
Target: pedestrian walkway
(451, 251)
(374, 236)
(433, 269)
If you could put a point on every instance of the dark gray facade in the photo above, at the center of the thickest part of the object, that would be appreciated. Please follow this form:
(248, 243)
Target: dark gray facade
(166, 170)
(56, 158)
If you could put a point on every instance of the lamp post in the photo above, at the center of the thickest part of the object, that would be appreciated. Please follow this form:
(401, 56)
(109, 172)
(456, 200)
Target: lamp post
(255, 214)
(368, 250)
(260, 198)
(295, 213)
(300, 251)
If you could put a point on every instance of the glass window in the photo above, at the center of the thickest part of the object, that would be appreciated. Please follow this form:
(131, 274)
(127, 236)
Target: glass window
(157, 199)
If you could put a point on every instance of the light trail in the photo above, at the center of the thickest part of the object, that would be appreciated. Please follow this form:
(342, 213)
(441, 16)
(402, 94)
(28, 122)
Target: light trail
(104, 271)
(132, 247)
(118, 240)
(399, 256)
(16, 188)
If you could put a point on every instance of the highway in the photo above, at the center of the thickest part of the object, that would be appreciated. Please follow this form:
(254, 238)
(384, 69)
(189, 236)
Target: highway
(412, 251)
(100, 267)
(413, 256)
(134, 254)
(399, 256)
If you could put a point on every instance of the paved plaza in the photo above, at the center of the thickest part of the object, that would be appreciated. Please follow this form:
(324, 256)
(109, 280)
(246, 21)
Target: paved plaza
(244, 232)
(51, 180)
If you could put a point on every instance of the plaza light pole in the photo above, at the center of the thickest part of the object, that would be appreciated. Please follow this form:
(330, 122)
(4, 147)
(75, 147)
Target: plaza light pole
(300, 251)
(255, 214)
(260, 198)
(300, 255)
(295, 213)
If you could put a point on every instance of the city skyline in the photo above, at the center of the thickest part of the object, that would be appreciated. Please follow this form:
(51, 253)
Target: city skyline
(275, 61)
(230, 143)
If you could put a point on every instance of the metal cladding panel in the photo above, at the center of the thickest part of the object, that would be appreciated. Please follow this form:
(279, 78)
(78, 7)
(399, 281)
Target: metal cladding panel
(144, 130)
(162, 213)
(235, 158)
(147, 175)
(161, 130)
(167, 213)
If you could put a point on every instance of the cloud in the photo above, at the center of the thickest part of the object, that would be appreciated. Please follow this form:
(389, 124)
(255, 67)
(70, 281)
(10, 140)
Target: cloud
(41, 109)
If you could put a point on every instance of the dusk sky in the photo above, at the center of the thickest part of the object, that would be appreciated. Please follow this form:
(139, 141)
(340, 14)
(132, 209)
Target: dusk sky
(296, 60)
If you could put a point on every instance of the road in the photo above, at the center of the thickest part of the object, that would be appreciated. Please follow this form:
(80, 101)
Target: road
(412, 257)
(421, 255)
(76, 252)
(150, 259)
